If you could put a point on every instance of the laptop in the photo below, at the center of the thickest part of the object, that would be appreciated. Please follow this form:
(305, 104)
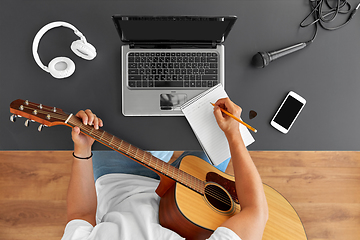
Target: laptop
(167, 60)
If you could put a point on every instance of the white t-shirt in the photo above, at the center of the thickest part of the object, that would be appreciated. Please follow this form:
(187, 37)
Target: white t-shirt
(128, 209)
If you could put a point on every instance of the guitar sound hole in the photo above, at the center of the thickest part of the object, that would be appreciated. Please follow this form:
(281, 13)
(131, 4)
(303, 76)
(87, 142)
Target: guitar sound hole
(218, 197)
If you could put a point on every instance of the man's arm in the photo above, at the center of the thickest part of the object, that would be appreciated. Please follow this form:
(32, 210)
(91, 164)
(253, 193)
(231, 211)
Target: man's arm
(250, 222)
(81, 198)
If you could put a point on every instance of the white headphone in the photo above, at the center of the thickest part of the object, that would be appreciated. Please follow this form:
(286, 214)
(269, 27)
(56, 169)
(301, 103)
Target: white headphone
(62, 67)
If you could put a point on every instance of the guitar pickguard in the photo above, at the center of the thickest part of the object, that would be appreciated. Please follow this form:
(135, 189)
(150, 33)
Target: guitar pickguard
(225, 183)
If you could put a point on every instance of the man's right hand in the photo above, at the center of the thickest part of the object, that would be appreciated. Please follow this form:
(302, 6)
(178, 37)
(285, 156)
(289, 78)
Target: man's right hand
(228, 125)
(250, 222)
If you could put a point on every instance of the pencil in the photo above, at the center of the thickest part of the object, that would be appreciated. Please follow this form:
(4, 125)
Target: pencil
(237, 119)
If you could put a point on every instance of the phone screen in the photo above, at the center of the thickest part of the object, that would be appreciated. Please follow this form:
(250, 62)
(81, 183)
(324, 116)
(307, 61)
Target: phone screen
(288, 112)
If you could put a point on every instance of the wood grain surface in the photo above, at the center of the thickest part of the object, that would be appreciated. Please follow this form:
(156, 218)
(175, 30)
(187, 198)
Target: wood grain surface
(323, 187)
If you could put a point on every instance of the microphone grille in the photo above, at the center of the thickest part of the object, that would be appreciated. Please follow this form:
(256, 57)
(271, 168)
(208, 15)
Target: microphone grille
(260, 60)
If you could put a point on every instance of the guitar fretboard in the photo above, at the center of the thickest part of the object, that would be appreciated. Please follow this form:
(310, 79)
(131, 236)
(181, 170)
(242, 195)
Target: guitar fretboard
(139, 155)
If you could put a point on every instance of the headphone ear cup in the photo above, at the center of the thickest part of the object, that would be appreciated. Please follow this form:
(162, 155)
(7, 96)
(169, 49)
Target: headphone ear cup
(83, 50)
(61, 67)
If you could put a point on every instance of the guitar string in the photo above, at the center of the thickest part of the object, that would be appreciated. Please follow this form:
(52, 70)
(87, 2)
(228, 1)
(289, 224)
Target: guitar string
(220, 197)
(211, 193)
(226, 198)
(62, 116)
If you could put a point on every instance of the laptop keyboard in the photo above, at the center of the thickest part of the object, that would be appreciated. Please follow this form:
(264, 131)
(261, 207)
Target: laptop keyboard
(173, 69)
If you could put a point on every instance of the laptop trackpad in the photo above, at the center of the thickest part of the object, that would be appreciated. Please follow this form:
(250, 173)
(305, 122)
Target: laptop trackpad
(172, 101)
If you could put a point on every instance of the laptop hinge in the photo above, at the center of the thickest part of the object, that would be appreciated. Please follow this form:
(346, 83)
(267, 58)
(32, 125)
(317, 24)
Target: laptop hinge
(164, 45)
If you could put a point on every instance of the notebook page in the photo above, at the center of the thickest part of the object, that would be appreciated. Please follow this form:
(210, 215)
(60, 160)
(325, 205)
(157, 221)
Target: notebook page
(199, 113)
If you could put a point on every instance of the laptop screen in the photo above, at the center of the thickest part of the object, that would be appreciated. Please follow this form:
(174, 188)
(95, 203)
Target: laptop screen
(180, 29)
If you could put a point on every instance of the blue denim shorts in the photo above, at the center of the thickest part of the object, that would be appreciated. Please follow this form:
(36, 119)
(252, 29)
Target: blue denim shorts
(106, 162)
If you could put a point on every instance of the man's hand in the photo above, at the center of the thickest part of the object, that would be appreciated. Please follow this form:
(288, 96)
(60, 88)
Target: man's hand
(226, 123)
(250, 222)
(82, 142)
(81, 198)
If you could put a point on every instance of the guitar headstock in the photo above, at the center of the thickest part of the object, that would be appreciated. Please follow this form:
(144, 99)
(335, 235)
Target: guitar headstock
(45, 115)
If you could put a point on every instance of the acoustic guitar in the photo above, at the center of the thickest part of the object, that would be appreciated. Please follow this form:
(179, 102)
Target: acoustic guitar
(196, 198)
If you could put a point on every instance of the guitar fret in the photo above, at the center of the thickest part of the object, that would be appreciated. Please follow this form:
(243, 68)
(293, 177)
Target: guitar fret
(161, 166)
(158, 167)
(168, 169)
(120, 145)
(140, 158)
(150, 161)
(146, 158)
(162, 163)
(106, 136)
(171, 169)
(158, 164)
(135, 153)
(174, 169)
(181, 176)
(98, 133)
(130, 151)
(114, 142)
(197, 187)
(191, 181)
(154, 163)
(165, 168)
(102, 134)
(177, 173)
(140, 154)
(188, 180)
(91, 131)
(125, 149)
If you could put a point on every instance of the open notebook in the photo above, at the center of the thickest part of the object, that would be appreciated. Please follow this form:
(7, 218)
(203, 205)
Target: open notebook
(199, 113)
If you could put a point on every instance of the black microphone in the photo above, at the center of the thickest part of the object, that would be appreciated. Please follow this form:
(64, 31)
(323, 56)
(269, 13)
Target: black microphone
(262, 59)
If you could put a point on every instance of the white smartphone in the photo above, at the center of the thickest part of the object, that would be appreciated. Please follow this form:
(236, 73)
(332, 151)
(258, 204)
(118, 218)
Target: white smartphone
(288, 111)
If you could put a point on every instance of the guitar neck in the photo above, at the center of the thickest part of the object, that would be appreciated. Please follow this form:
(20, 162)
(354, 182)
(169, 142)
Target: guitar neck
(51, 116)
(141, 156)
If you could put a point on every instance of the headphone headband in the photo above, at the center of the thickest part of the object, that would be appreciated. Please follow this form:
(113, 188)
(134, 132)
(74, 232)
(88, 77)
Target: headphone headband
(41, 33)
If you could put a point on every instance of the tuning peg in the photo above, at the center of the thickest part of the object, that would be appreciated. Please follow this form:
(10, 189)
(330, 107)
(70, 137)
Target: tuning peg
(13, 118)
(27, 122)
(41, 127)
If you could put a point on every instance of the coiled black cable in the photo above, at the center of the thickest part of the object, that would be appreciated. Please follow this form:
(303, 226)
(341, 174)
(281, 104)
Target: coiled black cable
(324, 16)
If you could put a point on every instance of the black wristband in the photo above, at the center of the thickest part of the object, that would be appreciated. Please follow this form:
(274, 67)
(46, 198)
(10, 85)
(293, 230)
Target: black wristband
(85, 158)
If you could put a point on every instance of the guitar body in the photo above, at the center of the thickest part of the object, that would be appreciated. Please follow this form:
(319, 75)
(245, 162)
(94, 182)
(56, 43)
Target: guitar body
(193, 215)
